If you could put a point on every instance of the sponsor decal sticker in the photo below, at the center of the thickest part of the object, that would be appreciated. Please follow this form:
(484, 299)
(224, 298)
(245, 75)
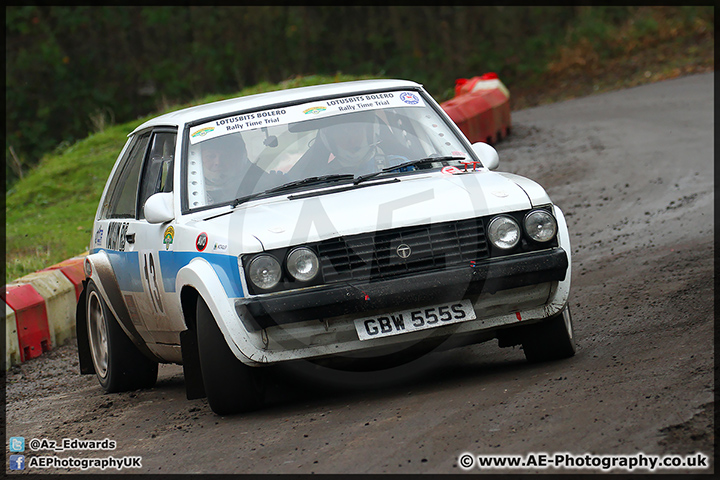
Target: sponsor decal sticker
(203, 131)
(201, 242)
(314, 110)
(168, 237)
(116, 236)
(98, 236)
(220, 247)
(409, 98)
(450, 170)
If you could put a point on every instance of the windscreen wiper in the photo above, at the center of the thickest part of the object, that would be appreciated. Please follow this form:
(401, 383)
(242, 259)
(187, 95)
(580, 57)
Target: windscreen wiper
(410, 163)
(294, 184)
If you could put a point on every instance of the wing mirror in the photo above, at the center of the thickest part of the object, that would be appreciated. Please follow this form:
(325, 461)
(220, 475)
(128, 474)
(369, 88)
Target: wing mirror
(159, 208)
(487, 155)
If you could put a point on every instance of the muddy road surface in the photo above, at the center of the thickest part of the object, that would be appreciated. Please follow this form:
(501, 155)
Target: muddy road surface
(633, 171)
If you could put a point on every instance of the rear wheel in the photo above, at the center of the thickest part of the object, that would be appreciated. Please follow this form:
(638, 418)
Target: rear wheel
(119, 365)
(552, 339)
(230, 385)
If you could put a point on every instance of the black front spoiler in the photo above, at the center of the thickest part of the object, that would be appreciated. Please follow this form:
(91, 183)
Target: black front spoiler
(442, 286)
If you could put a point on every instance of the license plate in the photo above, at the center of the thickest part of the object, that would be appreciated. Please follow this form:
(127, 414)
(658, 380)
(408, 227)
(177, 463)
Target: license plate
(413, 320)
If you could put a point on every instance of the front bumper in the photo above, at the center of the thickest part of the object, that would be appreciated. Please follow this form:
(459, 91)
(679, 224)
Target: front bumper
(317, 303)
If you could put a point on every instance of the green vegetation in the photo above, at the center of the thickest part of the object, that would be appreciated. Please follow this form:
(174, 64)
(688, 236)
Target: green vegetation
(71, 70)
(543, 54)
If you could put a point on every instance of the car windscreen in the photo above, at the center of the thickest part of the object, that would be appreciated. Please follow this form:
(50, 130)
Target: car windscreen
(240, 155)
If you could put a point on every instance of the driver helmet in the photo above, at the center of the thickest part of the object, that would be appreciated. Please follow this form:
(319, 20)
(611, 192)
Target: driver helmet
(352, 139)
(222, 160)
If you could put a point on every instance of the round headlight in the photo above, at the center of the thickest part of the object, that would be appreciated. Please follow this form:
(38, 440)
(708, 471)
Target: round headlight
(504, 232)
(303, 264)
(264, 271)
(540, 225)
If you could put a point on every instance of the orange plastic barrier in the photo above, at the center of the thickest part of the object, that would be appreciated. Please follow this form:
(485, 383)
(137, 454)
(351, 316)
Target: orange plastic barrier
(481, 108)
(32, 321)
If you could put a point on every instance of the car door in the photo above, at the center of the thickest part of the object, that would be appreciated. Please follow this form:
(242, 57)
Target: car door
(159, 311)
(116, 224)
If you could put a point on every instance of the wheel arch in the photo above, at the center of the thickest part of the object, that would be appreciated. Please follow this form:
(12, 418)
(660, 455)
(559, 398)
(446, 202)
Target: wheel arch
(198, 279)
(102, 275)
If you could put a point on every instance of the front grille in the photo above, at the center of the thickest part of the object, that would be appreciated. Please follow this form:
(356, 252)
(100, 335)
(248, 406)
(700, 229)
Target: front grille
(374, 256)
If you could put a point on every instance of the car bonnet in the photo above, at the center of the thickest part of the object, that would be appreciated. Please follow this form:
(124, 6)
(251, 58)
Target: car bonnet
(298, 218)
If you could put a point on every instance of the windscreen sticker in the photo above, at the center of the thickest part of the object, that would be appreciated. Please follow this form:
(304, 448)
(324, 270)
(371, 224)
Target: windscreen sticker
(298, 113)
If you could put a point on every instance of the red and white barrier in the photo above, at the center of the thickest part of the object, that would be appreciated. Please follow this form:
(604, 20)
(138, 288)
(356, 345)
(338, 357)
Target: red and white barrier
(73, 270)
(481, 108)
(33, 331)
(12, 348)
(40, 310)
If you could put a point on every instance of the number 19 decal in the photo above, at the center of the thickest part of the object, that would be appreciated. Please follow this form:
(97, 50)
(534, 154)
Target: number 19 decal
(151, 277)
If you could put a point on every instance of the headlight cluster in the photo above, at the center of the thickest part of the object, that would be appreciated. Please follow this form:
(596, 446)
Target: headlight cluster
(504, 231)
(303, 264)
(540, 225)
(265, 270)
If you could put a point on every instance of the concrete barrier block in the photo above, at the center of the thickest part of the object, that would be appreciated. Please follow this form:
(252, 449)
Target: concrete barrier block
(73, 270)
(12, 347)
(60, 300)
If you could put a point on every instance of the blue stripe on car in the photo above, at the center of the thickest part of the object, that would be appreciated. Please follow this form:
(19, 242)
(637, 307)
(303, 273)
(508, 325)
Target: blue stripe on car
(126, 266)
(225, 266)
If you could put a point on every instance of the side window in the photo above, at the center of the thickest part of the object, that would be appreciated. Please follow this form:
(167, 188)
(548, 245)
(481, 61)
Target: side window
(121, 199)
(158, 171)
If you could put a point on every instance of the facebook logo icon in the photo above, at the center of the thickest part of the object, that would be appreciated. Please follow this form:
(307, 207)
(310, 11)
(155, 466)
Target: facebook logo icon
(17, 462)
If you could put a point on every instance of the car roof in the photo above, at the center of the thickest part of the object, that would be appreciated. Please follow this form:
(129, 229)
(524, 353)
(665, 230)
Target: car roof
(249, 102)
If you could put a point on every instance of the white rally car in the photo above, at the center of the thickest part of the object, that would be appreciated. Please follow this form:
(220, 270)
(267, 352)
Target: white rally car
(320, 223)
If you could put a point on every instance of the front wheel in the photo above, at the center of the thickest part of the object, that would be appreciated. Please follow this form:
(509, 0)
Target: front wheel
(230, 385)
(119, 365)
(552, 339)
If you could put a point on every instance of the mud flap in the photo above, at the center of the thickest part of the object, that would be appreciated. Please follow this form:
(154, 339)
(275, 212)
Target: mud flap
(84, 356)
(194, 387)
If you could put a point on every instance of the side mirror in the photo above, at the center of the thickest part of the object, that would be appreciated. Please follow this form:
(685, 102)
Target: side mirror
(159, 208)
(487, 155)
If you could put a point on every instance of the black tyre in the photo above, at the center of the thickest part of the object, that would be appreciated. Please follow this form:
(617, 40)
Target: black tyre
(230, 385)
(119, 365)
(552, 339)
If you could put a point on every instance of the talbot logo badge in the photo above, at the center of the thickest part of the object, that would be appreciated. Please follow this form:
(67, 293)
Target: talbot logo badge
(403, 250)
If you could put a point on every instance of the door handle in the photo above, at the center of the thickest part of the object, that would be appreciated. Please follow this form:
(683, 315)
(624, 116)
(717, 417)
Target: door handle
(130, 237)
